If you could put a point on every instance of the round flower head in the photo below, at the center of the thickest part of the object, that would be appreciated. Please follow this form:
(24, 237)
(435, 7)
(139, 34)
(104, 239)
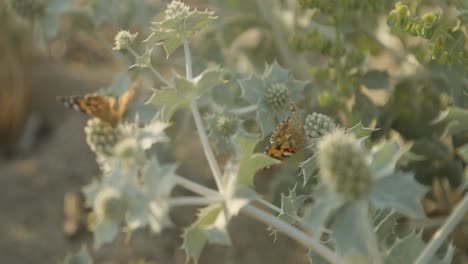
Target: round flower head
(277, 96)
(318, 125)
(101, 137)
(123, 40)
(344, 165)
(176, 8)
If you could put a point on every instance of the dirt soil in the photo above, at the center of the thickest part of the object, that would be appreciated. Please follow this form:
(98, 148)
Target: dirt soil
(33, 187)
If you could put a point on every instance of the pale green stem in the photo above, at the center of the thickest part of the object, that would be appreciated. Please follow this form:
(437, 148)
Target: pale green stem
(292, 232)
(153, 70)
(195, 187)
(441, 235)
(199, 124)
(266, 218)
(244, 110)
(195, 201)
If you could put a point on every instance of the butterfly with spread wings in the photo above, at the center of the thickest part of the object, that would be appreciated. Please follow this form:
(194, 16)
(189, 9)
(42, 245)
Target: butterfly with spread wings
(287, 138)
(109, 109)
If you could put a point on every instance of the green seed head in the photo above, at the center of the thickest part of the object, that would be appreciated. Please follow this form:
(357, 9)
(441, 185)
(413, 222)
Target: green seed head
(277, 96)
(101, 137)
(226, 124)
(318, 125)
(343, 165)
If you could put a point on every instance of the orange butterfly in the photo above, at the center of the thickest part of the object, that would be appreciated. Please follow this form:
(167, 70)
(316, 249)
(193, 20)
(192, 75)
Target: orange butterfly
(109, 109)
(287, 138)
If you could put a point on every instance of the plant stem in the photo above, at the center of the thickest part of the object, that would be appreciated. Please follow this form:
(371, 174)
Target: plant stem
(244, 110)
(195, 187)
(191, 201)
(249, 210)
(153, 70)
(439, 237)
(199, 124)
(293, 232)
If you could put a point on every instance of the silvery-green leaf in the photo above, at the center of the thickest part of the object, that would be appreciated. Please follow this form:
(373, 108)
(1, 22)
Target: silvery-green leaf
(384, 223)
(194, 236)
(250, 163)
(290, 205)
(408, 249)
(82, 257)
(217, 235)
(351, 228)
(308, 169)
(399, 191)
(325, 204)
(360, 131)
(385, 156)
(171, 30)
(137, 214)
(104, 232)
(274, 73)
(159, 179)
(251, 89)
(265, 120)
(207, 80)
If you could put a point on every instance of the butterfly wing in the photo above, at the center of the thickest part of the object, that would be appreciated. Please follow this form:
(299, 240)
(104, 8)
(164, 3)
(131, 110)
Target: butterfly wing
(125, 98)
(287, 137)
(101, 107)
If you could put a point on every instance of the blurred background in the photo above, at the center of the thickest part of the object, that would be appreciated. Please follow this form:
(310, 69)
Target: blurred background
(52, 48)
(56, 48)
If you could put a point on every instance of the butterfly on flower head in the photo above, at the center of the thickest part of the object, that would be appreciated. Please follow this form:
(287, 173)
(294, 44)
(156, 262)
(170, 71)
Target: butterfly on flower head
(109, 109)
(287, 138)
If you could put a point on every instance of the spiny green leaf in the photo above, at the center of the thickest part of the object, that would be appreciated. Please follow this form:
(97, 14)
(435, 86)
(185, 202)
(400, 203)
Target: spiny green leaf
(399, 191)
(385, 157)
(174, 27)
(255, 91)
(159, 179)
(348, 239)
(360, 131)
(325, 204)
(82, 257)
(308, 168)
(384, 223)
(290, 205)
(250, 163)
(195, 237)
(207, 80)
(250, 89)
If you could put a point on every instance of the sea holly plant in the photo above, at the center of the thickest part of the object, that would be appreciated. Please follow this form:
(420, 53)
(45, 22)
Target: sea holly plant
(272, 93)
(346, 215)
